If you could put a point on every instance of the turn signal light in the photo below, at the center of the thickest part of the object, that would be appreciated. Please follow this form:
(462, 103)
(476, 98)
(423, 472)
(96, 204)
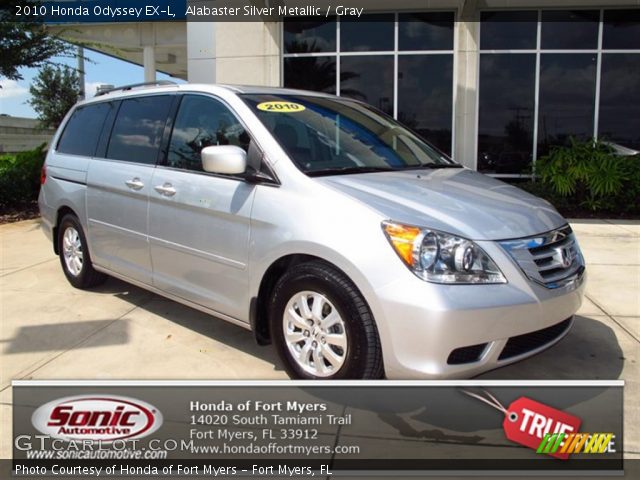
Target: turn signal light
(402, 237)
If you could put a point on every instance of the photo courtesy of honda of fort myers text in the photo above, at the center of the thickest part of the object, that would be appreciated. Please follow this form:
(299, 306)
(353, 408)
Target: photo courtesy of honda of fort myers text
(312, 239)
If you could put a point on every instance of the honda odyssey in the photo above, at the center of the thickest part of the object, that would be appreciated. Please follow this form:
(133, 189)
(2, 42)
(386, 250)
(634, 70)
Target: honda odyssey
(317, 222)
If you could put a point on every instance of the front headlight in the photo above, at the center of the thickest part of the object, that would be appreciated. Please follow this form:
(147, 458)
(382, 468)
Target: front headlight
(441, 257)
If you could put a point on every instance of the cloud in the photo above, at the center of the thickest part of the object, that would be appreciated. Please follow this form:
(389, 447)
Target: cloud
(11, 88)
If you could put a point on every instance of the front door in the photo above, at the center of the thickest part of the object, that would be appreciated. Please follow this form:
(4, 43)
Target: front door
(198, 222)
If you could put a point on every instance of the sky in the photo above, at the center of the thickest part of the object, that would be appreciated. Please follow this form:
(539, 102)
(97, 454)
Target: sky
(99, 69)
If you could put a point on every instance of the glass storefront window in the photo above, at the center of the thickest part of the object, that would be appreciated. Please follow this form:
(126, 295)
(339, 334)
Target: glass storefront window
(507, 102)
(567, 99)
(310, 35)
(425, 31)
(425, 89)
(621, 29)
(367, 57)
(563, 102)
(619, 119)
(545, 75)
(512, 30)
(311, 73)
(570, 30)
(368, 78)
(369, 33)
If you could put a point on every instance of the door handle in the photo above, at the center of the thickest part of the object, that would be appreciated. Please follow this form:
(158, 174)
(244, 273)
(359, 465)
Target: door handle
(167, 189)
(134, 184)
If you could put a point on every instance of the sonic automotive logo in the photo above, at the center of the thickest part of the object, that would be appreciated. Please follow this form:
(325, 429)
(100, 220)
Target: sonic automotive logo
(104, 418)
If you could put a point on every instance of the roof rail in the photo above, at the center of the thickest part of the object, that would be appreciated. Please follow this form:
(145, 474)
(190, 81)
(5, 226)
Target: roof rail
(124, 88)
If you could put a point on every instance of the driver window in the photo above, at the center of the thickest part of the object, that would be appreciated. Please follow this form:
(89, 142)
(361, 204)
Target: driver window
(202, 122)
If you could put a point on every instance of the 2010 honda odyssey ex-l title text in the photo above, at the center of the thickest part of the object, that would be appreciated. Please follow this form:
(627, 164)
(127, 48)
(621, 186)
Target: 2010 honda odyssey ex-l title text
(318, 222)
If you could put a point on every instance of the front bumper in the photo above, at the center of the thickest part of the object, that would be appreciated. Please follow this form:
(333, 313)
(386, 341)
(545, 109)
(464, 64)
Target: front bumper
(459, 331)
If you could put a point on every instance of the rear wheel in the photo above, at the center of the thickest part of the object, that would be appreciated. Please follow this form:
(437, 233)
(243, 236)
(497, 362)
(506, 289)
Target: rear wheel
(322, 326)
(74, 254)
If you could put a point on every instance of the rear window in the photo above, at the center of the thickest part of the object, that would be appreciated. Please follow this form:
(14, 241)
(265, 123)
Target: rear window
(81, 134)
(138, 129)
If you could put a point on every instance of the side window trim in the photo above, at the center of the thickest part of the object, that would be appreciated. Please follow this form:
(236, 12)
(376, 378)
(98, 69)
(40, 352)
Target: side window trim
(163, 152)
(107, 128)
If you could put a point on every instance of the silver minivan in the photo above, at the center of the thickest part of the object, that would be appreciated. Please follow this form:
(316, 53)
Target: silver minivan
(317, 222)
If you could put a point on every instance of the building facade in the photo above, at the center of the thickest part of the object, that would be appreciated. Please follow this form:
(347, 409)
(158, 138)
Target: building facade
(493, 83)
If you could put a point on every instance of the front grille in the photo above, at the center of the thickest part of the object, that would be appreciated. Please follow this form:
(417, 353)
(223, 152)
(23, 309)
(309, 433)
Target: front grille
(530, 341)
(468, 354)
(552, 259)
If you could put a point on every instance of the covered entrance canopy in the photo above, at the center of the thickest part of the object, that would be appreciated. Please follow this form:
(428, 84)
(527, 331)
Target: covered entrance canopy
(156, 46)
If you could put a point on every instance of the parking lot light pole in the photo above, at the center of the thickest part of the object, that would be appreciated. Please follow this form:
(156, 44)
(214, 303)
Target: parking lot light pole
(80, 67)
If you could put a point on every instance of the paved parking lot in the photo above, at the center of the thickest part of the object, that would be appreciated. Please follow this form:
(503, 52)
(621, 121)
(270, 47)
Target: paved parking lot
(48, 330)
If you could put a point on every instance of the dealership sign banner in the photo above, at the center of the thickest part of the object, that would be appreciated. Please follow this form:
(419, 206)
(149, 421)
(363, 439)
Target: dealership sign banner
(300, 428)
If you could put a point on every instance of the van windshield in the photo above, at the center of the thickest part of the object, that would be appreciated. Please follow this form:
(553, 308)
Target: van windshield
(330, 136)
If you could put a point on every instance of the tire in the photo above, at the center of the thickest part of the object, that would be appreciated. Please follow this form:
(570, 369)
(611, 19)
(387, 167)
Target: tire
(74, 254)
(318, 344)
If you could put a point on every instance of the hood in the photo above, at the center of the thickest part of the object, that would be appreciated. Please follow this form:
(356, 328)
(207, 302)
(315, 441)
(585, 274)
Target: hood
(458, 201)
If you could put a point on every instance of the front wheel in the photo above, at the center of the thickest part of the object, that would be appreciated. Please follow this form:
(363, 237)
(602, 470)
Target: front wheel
(74, 254)
(322, 326)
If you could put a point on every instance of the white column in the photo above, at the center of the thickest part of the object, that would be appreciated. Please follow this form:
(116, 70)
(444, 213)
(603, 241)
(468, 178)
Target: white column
(466, 94)
(201, 52)
(246, 53)
(149, 60)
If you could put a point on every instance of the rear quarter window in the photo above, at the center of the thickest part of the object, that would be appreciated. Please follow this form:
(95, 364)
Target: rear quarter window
(81, 134)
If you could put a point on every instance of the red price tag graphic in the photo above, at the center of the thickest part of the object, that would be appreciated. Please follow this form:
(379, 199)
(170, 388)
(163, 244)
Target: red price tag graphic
(526, 421)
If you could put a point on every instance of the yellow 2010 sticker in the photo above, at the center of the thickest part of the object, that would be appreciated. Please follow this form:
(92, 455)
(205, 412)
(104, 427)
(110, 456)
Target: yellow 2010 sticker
(281, 107)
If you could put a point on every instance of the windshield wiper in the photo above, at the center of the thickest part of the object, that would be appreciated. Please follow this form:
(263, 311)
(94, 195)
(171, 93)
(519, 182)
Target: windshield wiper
(348, 170)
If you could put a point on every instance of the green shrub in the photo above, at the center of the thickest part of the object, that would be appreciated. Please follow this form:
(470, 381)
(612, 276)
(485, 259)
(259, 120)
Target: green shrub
(590, 175)
(20, 177)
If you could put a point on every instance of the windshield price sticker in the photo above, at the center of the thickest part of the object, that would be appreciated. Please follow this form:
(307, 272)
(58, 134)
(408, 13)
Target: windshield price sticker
(281, 107)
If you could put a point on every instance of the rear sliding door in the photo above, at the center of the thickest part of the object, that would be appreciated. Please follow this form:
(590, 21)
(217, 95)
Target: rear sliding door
(118, 187)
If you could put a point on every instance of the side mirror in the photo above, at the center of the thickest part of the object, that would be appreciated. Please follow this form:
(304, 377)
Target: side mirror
(225, 159)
